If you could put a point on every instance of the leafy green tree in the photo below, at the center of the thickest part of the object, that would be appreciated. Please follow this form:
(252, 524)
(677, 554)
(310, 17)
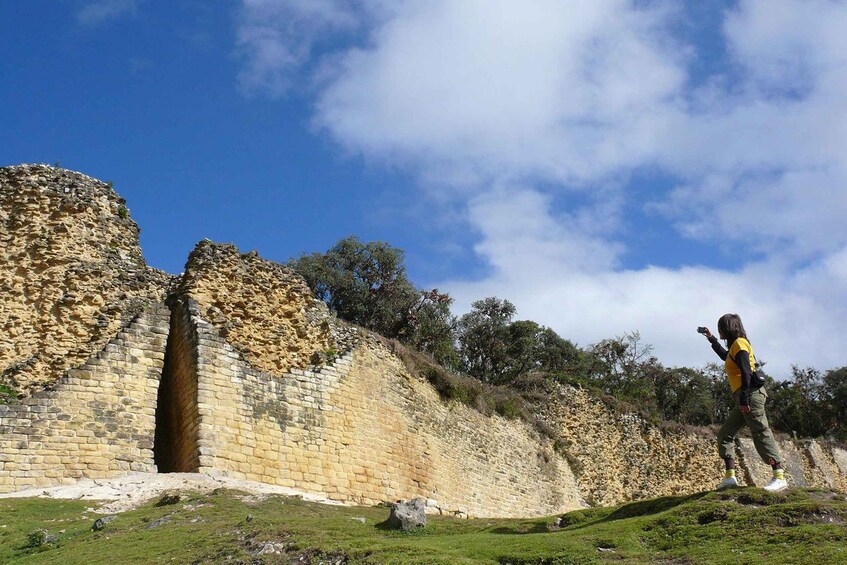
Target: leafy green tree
(483, 337)
(535, 348)
(366, 283)
(834, 393)
(494, 349)
(430, 327)
(521, 339)
(797, 405)
(719, 391)
(685, 395)
(626, 369)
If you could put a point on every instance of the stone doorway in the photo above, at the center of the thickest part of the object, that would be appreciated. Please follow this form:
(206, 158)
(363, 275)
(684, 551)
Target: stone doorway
(176, 448)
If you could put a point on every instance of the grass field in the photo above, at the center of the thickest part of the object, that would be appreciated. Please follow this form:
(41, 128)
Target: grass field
(745, 525)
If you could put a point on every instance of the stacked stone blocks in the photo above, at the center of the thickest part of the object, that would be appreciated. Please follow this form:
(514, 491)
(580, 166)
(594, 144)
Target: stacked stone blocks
(363, 430)
(95, 422)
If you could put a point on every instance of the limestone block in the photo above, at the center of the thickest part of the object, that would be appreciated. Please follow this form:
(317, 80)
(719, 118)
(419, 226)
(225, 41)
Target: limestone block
(823, 471)
(840, 457)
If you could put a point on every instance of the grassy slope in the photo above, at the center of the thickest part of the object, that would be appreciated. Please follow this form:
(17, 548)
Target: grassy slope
(744, 525)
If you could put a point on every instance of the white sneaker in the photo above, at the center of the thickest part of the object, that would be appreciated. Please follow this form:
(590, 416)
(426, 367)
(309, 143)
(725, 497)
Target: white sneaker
(776, 485)
(729, 482)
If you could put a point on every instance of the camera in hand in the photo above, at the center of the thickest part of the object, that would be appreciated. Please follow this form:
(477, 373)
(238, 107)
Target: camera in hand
(702, 329)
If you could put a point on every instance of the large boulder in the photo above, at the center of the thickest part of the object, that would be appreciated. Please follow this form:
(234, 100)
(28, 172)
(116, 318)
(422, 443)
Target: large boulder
(407, 515)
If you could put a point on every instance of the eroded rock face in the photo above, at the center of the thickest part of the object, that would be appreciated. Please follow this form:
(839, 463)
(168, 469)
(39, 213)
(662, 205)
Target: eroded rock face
(71, 272)
(619, 457)
(263, 309)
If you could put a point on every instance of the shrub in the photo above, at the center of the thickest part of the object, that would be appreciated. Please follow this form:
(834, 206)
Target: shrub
(8, 395)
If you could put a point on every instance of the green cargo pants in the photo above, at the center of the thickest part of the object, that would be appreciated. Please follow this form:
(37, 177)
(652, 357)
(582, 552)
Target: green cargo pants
(757, 420)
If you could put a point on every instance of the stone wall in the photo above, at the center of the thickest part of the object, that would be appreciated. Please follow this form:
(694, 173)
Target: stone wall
(96, 421)
(263, 309)
(71, 272)
(249, 376)
(363, 430)
(620, 457)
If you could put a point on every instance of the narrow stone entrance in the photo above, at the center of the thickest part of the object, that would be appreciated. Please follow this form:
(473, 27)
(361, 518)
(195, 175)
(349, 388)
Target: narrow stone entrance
(176, 448)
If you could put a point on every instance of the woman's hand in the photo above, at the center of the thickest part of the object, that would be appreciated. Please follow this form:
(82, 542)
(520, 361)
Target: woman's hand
(708, 334)
(744, 402)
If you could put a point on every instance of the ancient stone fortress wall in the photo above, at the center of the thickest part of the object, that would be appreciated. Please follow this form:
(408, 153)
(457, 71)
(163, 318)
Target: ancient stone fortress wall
(620, 457)
(244, 374)
(363, 430)
(71, 272)
(263, 309)
(97, 421)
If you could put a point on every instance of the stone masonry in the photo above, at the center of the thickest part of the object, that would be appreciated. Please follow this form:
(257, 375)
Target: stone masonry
(363, 430)
(71, 272)
(619, 457)
(234, 369)
(97, 421)
(262, 308)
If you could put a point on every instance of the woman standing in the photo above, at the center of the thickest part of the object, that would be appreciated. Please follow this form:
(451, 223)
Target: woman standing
(749, 399)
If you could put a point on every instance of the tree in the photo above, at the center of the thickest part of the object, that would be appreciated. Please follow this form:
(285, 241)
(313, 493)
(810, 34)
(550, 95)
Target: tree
(494, 349)
(430, 327)
(685, 395)
(834, 394)
(483, 337)
(523, 348)
(535, 348)
(720, 392)
(366, 283)
(797, 404)
(626, 369)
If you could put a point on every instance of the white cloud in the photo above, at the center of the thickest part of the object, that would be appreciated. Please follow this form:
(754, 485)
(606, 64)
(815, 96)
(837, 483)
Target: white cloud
(788, 44)
(534, 114)
(276, 37)
(101, 11)
(492, 90)
(519, 236)
(764, 163)
(792, 318)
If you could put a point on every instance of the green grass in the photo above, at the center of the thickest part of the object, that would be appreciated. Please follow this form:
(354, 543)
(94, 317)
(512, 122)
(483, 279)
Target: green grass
(743, 525)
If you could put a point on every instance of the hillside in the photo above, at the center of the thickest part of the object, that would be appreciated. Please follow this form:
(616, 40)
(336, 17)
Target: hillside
(743, 525)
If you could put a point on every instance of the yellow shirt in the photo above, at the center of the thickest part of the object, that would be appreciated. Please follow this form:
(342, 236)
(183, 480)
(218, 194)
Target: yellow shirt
(733, 373)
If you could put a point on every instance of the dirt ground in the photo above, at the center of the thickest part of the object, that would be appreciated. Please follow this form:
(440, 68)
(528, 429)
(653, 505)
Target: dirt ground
(132, 490)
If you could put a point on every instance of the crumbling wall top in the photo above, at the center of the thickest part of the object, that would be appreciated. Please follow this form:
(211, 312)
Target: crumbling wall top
(262, 308)
(71, 272)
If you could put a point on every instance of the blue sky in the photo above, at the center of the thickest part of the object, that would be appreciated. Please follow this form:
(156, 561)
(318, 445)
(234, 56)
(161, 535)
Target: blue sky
(607, 166)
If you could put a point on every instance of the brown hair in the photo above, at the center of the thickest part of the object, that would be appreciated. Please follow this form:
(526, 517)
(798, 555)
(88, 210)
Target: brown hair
(730, 327)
